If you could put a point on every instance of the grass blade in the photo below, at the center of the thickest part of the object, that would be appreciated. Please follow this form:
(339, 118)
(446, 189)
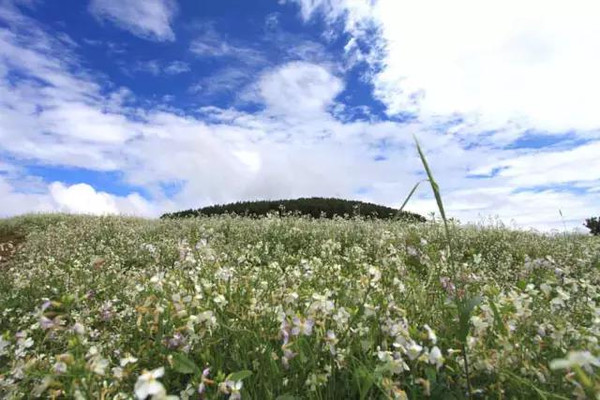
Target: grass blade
(434, 186)
(410, 194)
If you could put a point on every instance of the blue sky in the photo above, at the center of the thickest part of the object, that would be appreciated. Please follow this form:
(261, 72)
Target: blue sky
(141, 107)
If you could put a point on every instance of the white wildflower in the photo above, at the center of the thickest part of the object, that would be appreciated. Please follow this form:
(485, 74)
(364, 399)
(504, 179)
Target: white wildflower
(148, 385)
(220, 300)
(117, 372)
(302, 326)
(413, 350)
(208, 318)
(374, 274)
(78, 328)
(576, 358)
(98, 365)
(435, 357)
(431, 334)
(546, 289)
(479, 324)
(127, 360)
(60, 367)
(291, 298)
(3, 345)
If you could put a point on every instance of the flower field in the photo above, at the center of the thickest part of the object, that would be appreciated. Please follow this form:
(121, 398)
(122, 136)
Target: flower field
(293, 308)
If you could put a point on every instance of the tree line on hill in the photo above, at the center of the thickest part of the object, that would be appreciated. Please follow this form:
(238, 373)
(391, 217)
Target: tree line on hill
(316, 207)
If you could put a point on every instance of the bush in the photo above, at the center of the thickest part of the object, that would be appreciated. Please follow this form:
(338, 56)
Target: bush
(593, 224)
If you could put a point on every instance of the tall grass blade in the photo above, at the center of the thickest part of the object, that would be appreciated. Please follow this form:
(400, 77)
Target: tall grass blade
(562, 217)
(410, 194)
(466, 305)
(434, 187)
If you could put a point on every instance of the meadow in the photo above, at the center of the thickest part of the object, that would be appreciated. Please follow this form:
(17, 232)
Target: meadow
(295, 308)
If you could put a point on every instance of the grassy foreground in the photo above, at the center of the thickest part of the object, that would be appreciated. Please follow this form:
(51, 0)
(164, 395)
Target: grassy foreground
(291, 308)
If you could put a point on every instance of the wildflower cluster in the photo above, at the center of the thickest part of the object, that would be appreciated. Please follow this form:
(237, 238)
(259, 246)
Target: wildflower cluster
(228, 307)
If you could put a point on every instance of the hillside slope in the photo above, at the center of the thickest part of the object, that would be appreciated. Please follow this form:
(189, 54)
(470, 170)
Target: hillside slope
(295, 307)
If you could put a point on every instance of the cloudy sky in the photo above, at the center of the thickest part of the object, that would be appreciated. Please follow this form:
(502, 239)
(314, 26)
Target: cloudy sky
(146, 106)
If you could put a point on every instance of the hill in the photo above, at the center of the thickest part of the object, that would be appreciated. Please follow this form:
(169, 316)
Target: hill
(316, 207)
(358, 308)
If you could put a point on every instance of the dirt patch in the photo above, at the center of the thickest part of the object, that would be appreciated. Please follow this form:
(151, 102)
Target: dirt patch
(9, 244)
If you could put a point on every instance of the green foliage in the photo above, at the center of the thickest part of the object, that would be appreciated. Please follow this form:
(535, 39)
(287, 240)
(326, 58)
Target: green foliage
(240, 375)
(593, 224)
(182, 364)
(466, 306)
(316, 207)
(296, 308)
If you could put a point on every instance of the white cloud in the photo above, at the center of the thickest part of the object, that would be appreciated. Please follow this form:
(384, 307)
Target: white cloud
(150, 19)
(247, 61)
(59, 114)
(227, 80)
(250, 159)
(79, 198)
(210, 43)
(65, 119)
(525, 209)
(299, 88)
(13, 202)
(535, 62)
(272, 21)
(550, 167)
(152, 67)
(532, 62)
(82, 198)
(355, 13)
(157, 67)
(177, 67)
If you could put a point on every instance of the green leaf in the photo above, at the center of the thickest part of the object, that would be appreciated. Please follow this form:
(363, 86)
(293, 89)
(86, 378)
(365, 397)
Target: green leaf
(497, 318)
(365, 380)
(431, 374)
(240, 375)
(472, 303)
(182, 364)
(465, 309)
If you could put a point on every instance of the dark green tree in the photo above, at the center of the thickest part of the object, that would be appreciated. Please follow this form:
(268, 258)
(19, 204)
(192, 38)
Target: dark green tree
(315, 207)
(593, 224)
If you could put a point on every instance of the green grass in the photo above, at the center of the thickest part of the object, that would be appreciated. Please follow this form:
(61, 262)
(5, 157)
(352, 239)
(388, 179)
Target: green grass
(225, 293)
